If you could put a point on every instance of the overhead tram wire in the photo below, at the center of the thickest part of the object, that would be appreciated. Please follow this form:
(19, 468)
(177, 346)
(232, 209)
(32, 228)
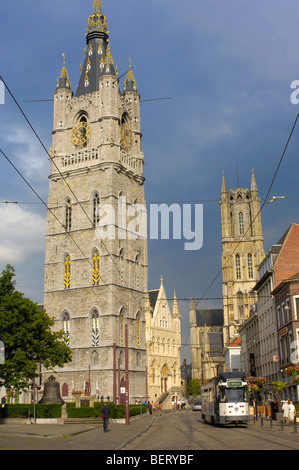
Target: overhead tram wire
(64, 179)
(250, 225)
(164, 202)
(262, 206)
(54, 215)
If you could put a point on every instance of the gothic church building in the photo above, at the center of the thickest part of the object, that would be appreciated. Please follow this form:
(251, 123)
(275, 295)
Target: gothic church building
(96, 263)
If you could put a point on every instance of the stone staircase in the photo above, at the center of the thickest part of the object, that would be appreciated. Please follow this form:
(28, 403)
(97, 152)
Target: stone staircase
(166, 398)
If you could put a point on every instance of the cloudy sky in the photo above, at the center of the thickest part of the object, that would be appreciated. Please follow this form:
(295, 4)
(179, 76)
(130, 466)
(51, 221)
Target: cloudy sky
(228, 66)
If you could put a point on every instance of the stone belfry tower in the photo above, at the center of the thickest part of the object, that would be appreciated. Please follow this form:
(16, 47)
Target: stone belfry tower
(96, 251)
(242, 252)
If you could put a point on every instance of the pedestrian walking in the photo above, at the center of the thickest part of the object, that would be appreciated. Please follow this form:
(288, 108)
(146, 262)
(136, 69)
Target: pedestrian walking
(292, 410)
(150, 408)
(285, 410)
(105, 416)
(3, 401)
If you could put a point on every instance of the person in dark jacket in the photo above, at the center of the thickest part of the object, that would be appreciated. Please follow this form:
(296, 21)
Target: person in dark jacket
(105, 416)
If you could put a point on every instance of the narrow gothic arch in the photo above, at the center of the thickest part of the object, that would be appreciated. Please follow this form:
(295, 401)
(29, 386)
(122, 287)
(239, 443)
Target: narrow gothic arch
(121, 320)
(66, 326)
(95, 199)
(96, 267)
(165, 373)
(95, 327)
(67, 271)
(68, 214)
(94, 360)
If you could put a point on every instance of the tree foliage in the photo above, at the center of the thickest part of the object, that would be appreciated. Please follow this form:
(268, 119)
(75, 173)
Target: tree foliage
(193, 387)
(27, 335)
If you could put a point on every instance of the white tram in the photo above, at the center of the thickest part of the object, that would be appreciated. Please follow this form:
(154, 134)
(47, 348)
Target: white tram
(225, 399)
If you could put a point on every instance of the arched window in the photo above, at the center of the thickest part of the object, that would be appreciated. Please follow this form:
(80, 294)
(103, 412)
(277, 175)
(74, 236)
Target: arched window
(67, 272)
(240, 303)
(122, 212)
(238, 267)
(96, 268)
(231, 225)
(66, 327)
(121, 328)
(121, 265)
(250, 266)
(241, 223)
(137, 271)
(96, 209)
(68, 215)
(138, 330)
(95, 328)
(65, 390)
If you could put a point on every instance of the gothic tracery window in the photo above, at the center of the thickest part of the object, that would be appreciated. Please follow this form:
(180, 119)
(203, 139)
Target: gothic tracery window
(67, 272)
(96, 268)
(121, 328)
(66, 327)
(68, 215)
(250, 266)
(241, 223)
(238, 267)
(138, 330)
(95, 328)
(96, 209)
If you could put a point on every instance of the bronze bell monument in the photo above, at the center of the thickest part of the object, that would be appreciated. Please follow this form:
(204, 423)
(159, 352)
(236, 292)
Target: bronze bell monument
(51, 392)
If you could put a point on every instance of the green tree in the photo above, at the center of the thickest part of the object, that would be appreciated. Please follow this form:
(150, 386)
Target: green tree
(27, 335)
(193, 387)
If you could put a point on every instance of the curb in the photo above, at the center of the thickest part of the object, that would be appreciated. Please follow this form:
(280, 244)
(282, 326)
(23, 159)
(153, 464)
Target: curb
(127, 441)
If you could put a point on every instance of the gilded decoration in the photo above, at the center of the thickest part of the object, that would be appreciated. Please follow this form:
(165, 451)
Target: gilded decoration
(126, 136)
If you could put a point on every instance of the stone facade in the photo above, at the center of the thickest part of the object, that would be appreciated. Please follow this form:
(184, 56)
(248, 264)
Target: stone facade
(242, 253)
(206, 337)
(163, 340)
(96, 263)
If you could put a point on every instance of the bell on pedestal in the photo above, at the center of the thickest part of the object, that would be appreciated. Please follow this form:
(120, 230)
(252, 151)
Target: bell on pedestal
(51, 392)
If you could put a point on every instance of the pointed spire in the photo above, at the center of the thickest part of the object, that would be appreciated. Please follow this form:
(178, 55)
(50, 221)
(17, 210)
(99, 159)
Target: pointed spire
(97, 21)
(98, 58)
(253, 186)
(223, 185)
(130, 82)
(192, 304)
(63, 80)
(97, 7)
(175, 307)
(148, 307)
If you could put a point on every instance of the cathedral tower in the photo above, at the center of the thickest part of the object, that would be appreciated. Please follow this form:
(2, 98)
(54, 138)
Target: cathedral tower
(242, 252)
(96, 252)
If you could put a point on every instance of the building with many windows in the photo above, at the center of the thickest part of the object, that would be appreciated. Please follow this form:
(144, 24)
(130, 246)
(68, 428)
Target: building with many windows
(163, 341)
(269, 335)
(242, 252)
(96, 256)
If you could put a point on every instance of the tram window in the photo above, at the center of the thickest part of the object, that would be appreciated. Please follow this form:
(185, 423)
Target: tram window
(233, 395)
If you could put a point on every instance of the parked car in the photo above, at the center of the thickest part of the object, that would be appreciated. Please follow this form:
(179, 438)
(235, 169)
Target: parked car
(196, 406)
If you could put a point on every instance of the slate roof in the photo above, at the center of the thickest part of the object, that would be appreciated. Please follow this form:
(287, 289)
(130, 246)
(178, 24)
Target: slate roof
(210, 317)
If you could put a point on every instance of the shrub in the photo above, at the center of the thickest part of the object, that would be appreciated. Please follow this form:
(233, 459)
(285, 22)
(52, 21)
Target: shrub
(27, 411)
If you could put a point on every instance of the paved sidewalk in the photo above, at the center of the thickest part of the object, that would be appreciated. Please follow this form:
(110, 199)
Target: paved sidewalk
(118, 435)
(267, 423)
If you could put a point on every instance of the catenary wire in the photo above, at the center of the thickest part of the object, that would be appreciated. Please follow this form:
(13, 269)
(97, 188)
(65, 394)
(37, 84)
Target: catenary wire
(54, 215)
(64, 179)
